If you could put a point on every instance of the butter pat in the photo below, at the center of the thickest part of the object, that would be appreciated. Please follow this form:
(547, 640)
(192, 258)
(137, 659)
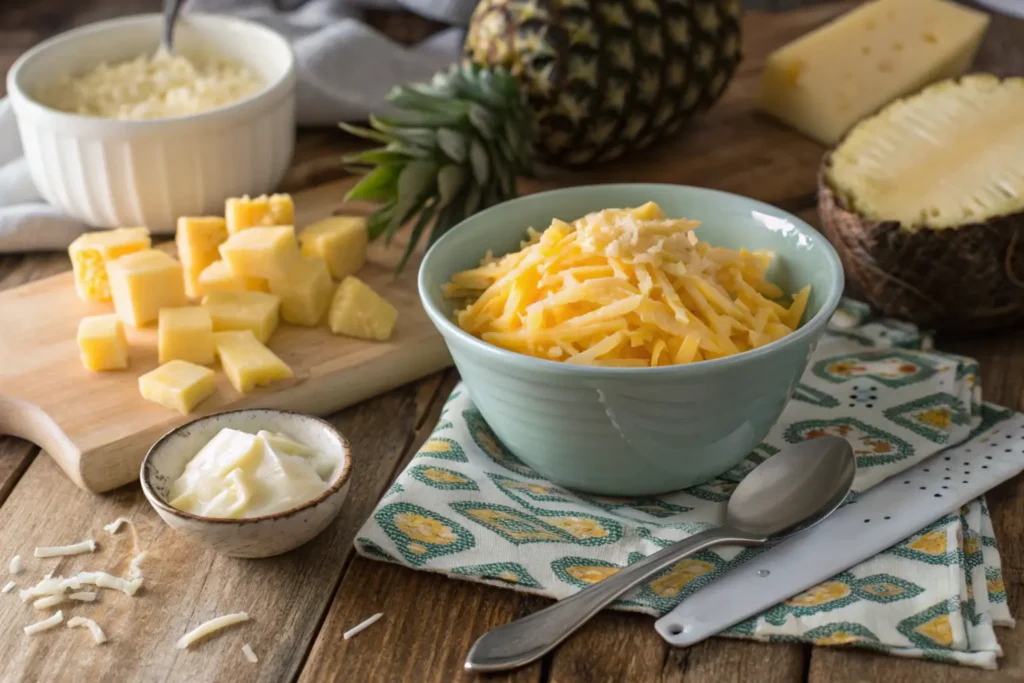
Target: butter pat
(185, 334)
(242, 212)
(144, 282)
(218, 277)
(262, 252)
(178, 385)
(90, 253)
(197, 239)
(824, 82)
(239, 475)
(247, 362)
(102, 343)
(358, 311)
(340, 241)
(254, 311)
(305, 291)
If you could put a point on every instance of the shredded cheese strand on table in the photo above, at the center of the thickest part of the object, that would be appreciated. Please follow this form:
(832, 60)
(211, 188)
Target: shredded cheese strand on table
(49, 601)
(358, 628)
(98, 636)
(45, 624)
(87, 546)
(249, 654)
(15, 566)
(625, 288)
(135, 567)
(84, 596)
(8, 587)
(211, 626)
(116, 524)
(58, 585)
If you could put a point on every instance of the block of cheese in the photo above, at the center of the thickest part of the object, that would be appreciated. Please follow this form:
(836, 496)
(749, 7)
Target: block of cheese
(185, 334)
(254, 311)
(358, 311)
(197, 239)
(144, 282)
(340, 241)
(243, 212)
(178, 385)
(262, 252)
(824, 82)
(247, 362)
(305, 291)
(90, 253)
(102, 343)
(218, 277)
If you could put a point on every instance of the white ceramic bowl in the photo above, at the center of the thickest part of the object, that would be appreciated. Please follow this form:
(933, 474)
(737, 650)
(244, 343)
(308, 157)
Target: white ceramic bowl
(110, 173)
(254, 536)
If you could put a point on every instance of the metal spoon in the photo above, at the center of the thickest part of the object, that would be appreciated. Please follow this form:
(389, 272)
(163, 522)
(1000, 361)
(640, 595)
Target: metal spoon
(794, 489)
(171, 10)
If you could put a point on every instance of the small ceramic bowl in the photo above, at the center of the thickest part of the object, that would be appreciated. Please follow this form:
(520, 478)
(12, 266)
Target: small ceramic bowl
(109, 172)
(635, 431)
(253, 536)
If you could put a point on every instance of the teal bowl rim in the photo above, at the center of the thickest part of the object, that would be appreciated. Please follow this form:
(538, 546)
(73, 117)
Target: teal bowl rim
(448, 327)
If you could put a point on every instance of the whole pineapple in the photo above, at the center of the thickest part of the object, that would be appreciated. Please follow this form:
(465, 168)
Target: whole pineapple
(570, 81)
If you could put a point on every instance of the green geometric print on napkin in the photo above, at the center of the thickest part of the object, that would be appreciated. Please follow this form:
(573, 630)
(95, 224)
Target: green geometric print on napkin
(467, 507)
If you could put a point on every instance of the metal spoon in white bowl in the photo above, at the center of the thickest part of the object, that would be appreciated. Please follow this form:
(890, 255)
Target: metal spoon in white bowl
(791, 491)
(171, 10)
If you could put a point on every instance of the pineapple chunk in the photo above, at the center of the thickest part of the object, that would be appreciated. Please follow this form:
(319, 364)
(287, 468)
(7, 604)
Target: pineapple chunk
(218, 277)
(178, 385)
(305, 292)
(247, 362)
(185, 334)
(358, 311)
(90, 253)
(340, 241)
(262, 252)
(102, 343)
(243, 212)
(144, 282)
(254, 311)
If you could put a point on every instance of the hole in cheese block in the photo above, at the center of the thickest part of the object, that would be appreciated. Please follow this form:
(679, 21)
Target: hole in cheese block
(242, 212)
(90, 253)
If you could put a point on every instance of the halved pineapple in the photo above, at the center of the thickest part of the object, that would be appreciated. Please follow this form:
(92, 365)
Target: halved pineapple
(925, 203)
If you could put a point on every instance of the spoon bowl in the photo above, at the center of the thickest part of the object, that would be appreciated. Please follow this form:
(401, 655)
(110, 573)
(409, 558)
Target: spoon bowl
(790, 491)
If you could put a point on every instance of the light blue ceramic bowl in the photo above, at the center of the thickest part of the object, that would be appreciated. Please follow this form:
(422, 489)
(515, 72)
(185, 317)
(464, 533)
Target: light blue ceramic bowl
(636, 431)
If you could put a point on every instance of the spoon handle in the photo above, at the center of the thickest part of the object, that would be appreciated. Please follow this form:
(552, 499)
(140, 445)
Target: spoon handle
(530, 638)
(171, 10)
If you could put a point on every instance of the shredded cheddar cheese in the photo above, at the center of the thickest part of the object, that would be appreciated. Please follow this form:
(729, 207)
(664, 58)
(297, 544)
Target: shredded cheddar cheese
(625, 288)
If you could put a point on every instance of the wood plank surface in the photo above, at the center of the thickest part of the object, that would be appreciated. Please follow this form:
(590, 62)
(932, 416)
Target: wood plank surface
(302, 602)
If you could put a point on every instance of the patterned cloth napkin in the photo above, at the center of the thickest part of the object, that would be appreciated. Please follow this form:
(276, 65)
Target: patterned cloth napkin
(468, 508)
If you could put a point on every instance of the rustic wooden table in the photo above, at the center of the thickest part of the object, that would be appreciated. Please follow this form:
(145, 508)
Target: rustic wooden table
(301, 603)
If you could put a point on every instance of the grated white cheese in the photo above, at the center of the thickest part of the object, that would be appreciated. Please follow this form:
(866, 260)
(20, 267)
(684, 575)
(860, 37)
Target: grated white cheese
(105, 580)
(249, 654)
(49, 601)
(116, 524)
(8, 587)
(358, 628)
(84, 596)
(87, 546)
(98, 636)
(15, 566)
(211, 626)
(48, 586)
(44, 624)
(59, 585)
(134, 568)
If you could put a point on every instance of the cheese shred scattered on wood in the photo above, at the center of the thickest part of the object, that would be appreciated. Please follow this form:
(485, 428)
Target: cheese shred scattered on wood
(249, 654)
(116, 524)
(625, 288)
(135, 567)
(49, 601)
(45, 624)
(358, 628)
(8, 587)
(84, 596)
(15, 566)
(98, 636)
(88, 546)
(211, 626)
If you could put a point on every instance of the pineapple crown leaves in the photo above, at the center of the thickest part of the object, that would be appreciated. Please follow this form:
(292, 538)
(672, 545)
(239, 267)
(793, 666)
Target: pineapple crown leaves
(454, 147)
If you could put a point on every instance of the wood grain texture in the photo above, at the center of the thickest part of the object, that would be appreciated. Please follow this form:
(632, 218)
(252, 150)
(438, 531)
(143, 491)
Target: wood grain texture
(50, 399)
(184, 583)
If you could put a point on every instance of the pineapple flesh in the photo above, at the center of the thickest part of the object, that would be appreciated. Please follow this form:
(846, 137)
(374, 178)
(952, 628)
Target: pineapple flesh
(948, 156)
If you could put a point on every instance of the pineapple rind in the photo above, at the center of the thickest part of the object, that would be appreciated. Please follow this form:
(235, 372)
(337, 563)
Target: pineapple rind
(946, 157)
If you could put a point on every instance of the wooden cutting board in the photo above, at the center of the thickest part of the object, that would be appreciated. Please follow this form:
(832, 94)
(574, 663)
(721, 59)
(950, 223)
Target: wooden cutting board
(98, 427)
